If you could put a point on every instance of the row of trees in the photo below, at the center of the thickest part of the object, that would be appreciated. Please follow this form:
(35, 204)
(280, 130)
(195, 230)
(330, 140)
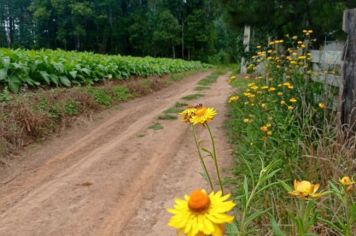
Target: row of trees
(279, 17)
(191, 29)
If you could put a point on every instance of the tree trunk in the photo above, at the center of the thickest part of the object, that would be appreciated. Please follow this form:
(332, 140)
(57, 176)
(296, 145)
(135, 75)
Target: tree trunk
(182, 39)
(173, 52)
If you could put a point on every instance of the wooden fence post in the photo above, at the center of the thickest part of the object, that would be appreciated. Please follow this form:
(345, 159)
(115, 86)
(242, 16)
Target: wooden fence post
(348, 109)
(246, 43)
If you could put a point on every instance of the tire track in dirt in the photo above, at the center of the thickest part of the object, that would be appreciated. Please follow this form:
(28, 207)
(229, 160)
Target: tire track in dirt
(103, 179)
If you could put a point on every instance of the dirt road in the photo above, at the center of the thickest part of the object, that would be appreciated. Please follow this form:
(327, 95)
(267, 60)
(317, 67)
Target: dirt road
(113, 176)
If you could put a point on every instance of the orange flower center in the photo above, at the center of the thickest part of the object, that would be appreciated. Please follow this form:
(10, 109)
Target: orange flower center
(199, 201)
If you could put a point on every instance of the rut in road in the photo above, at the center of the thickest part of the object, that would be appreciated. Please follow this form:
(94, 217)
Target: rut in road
(115, 176)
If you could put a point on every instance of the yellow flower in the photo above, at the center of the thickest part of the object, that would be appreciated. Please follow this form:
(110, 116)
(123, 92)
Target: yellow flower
(264, 128)
(247, 120)
(295, 37)
(347, 182)
(290, 108)
(293, 100)
(202, 115)
(271, 89)
(305, 189)
(187, 114)
(321, 105)
(233, 99)
(279, 93)
(283, 102)
(201, 214)
(263, 105)
(269, 133)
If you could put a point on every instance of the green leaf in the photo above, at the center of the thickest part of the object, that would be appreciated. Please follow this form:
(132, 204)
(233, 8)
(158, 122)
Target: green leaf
(65, 81)
(54, 79)
(286, 186)
(3, 74)
(276, 229)
(246, 188)
(73, 74)
(14, 84)
(231, 230)
(6, 62)
(253, 216)
(45, 76)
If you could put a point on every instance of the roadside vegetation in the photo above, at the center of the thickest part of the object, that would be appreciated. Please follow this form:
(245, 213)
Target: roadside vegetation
(34, 115)
(294, 165)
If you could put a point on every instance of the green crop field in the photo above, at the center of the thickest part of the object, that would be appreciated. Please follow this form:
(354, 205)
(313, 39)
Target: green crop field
(43, 68)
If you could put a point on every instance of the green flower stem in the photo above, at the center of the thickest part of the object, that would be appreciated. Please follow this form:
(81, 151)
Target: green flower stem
(215, 158)
(201, 159)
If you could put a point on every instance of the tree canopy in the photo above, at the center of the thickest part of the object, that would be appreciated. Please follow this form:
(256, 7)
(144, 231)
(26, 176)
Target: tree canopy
(168, 28)
(208, 30)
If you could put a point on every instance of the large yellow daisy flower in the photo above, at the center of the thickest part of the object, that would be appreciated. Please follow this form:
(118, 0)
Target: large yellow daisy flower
(201, 214)
(203, 115)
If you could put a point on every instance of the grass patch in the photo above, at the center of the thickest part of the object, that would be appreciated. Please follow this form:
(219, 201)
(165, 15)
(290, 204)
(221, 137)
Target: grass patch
(193, 96)
(168, 116)
(210, 79)
(174, 110)
(181, 104)
(201, 88)
(156, 126)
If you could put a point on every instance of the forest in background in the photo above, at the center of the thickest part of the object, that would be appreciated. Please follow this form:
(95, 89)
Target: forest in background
(207, 30)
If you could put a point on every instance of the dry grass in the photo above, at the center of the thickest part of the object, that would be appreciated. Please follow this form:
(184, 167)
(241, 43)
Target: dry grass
(31, 116)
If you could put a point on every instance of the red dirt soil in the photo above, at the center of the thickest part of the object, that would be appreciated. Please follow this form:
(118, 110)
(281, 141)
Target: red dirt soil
(112, 176)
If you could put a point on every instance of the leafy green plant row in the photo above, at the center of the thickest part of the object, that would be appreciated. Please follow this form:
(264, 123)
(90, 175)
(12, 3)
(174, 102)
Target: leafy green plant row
(37, 68)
